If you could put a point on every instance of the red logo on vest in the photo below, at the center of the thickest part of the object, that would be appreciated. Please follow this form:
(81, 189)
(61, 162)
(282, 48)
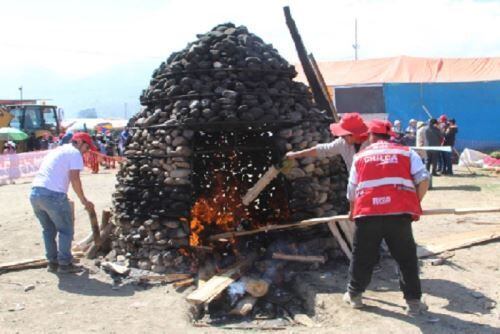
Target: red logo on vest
(385, 185)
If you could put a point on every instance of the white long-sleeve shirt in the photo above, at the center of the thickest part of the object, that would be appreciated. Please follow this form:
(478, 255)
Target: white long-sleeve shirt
(339, 146)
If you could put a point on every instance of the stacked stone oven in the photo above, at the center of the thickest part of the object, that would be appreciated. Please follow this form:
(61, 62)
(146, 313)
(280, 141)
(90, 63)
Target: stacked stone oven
(226, 92)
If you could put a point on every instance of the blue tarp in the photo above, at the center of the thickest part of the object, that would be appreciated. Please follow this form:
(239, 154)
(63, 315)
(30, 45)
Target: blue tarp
(474, 105)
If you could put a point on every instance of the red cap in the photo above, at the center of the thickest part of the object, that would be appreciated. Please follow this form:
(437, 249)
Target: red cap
(443, 118)
(350, 124)
(381, 127)
(84, 137)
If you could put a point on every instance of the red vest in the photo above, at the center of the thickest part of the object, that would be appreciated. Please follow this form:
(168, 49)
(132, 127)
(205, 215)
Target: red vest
(385, 185)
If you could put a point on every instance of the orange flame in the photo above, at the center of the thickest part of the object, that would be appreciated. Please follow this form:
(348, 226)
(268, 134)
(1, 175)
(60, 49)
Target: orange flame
(221, 210)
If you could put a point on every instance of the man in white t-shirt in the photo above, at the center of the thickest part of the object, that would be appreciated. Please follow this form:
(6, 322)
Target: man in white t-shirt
(50, 203)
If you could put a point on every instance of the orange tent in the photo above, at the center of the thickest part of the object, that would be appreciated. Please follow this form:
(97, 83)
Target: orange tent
(406, 69)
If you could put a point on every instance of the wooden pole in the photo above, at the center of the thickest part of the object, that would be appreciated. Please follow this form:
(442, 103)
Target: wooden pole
(323, 220)
(319, 97)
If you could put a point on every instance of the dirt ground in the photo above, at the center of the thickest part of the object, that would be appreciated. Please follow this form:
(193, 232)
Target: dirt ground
(462, 294)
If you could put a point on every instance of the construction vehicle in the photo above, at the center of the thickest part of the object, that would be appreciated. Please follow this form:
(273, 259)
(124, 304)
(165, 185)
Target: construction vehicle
(30, 117)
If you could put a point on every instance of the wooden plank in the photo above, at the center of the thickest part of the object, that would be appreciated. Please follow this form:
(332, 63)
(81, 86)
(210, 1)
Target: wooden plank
(323, 86)
(38, 262)
(299, 258)
(347, 228)
(343, 245)
(457, 240)
(168, 278)
(218, 283)
(320, 99)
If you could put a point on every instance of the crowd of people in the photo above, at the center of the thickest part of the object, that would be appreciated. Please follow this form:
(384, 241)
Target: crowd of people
(436, 132)
(110, 143)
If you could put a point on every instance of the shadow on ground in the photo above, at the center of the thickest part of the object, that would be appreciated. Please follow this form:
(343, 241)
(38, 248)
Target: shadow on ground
(85, 285)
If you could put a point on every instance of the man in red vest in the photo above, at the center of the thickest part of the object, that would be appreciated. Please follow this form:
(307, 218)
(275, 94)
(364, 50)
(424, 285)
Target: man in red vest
(387, 181)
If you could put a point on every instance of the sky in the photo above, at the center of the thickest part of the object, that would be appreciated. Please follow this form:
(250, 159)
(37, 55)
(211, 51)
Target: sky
(101, 53)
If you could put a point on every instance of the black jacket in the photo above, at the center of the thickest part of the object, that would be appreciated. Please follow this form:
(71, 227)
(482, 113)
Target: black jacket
(434, 136)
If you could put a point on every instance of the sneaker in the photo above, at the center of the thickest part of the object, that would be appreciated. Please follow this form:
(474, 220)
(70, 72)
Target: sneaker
(69, 269)
(52, 267)
(353, 301)
(415, 307)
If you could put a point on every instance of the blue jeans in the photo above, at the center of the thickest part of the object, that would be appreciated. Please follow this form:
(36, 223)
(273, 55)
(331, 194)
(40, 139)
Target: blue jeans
(54, 213)
(448, 166)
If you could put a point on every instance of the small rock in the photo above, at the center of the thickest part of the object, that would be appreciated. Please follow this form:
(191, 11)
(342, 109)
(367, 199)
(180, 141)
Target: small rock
(477, 294)
(17, 307)
(29, 288)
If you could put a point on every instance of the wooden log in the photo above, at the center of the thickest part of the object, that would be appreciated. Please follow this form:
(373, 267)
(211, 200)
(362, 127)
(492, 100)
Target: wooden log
(218, 283)
(342, 243)
(244, 306)
(95, 227)
(255, 287)
(104, 236)
(84, 244)
(168, 278)
(300, 258)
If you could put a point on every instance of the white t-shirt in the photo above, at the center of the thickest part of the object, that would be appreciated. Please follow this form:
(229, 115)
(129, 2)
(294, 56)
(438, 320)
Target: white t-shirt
(54, 171)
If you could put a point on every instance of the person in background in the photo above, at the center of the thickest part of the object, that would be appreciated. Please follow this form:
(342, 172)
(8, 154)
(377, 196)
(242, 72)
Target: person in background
(351, 133)
(66, 138)
(442, 125)
(420, 139)
(52, 143)
(32, 143)
(397, 133)
(50, 203)
(433, 137)
(10, 151)
(387, 182)
(410, 136)
(449, 140)
(44, 142)
(122, 143)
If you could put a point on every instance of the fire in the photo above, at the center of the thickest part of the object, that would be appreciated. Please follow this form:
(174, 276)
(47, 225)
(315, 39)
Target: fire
(219, 211)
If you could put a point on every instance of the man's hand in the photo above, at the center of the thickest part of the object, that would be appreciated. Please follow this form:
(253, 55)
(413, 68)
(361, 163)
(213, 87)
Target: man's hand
(89, 206)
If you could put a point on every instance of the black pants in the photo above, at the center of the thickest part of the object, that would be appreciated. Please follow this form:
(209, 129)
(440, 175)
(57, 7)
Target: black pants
(397, 233)
(432, 160)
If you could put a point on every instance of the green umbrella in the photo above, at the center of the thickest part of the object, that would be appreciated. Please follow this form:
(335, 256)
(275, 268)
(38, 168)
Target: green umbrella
(12, 134)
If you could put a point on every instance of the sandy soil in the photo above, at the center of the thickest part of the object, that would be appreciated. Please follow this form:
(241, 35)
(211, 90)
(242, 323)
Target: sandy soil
(462, 294)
